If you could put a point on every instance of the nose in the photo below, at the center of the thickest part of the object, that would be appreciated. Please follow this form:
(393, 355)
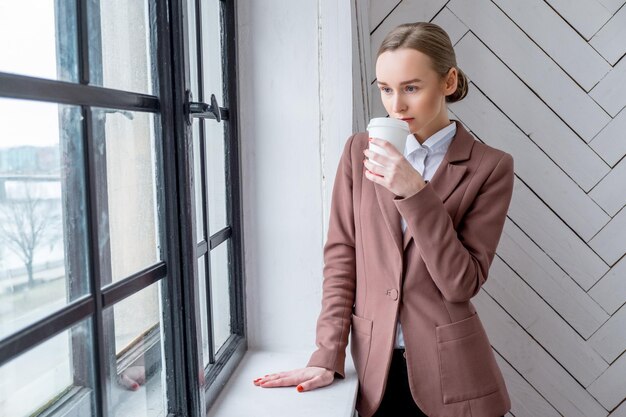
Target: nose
(397, 104)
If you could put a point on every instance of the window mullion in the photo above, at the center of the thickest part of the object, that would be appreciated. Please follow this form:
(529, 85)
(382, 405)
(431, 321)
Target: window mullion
(93, 172)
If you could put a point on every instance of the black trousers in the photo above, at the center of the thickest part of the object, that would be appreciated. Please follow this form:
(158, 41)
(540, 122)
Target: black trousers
(397, 400)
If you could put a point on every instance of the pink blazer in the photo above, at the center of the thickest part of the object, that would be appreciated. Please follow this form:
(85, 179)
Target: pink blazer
(374, 276)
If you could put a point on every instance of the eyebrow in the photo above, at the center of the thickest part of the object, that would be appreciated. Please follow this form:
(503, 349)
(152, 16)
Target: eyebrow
(414, 80)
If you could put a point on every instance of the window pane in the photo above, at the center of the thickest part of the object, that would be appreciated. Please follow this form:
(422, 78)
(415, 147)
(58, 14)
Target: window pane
(43, 239)
(59, 369)
(193, 45)
(125, 37)
(212, 51)
(128, 141)
(220, 294)
(204, 331)
(135, 355)
(216, 175)
(197, 181)
(42, 38)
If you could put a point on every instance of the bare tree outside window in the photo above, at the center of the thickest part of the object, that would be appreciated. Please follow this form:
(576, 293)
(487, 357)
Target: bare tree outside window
(28, 224)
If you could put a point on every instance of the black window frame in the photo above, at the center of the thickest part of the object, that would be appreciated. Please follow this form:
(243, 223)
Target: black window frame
(187, 393)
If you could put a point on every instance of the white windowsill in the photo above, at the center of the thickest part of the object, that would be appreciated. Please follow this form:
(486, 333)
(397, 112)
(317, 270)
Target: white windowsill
(240, 397)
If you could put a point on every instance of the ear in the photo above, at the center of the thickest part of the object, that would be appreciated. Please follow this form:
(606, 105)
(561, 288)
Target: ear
(450, 81)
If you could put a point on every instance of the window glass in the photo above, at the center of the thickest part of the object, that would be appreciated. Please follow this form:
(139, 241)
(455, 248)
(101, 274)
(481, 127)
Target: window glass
(213, 83)
(136, 371)
(212, 51)
(197, 181)
(124, 42)
(42, 43)
(126, 141)
(55, 374)
(220, 294)
(216, 175)
(202, 296)
(43, 243)
(193, 48)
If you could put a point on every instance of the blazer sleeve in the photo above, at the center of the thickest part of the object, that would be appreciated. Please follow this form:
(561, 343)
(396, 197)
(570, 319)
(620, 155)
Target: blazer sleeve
(339, 283)
(459, 260)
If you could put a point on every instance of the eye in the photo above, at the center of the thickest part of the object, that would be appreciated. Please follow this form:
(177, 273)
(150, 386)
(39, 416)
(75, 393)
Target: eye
(414, 88)
(384, 89)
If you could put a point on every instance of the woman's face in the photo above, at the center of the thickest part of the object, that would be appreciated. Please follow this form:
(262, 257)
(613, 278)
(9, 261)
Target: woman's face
(421, 100)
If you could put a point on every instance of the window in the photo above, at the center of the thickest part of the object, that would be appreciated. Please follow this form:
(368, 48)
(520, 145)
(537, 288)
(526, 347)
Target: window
(213, 171)
(120, 245)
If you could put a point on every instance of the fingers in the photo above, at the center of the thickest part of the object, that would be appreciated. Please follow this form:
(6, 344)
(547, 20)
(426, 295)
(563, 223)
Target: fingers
(373, 177)
(377, 157)
(315, 382)
(385, 144)
(372, 169)
(280, 379)
(304, 379)
(128, 382)
(261, 380)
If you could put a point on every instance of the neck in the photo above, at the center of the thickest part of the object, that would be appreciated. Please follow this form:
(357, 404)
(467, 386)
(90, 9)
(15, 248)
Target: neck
(431, 128)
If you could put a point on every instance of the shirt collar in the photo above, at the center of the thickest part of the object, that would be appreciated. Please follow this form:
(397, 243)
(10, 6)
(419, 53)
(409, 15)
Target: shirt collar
(433, 141)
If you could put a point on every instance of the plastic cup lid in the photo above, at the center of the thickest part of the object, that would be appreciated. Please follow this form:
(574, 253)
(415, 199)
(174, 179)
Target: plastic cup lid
(388, 122)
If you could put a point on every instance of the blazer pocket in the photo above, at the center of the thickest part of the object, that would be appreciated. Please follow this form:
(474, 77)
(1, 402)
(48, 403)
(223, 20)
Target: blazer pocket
(361, 340)
(466, 362)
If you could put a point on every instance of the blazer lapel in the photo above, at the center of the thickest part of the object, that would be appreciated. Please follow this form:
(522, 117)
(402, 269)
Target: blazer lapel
(444, 181)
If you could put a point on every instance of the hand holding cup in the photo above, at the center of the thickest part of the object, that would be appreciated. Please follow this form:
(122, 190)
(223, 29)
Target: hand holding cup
(392, 130)
(386, 163)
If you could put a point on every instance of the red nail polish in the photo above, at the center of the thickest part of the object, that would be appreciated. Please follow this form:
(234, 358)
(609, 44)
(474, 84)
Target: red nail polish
(300, 388)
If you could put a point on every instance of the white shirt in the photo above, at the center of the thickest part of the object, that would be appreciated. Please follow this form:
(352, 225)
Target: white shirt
(425, 158)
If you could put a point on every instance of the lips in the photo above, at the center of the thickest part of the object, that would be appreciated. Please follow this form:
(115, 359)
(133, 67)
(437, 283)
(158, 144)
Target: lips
(407, 119)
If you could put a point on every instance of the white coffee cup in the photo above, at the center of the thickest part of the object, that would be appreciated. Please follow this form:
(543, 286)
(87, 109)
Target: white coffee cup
(395, 131)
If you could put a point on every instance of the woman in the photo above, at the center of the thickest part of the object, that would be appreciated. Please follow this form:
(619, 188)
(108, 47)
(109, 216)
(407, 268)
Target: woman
(409, 244)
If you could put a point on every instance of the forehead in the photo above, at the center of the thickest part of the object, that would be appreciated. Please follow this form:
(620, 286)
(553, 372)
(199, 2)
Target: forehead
(403, 64)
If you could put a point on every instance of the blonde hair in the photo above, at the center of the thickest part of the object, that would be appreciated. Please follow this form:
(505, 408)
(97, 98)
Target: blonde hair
(432, 40)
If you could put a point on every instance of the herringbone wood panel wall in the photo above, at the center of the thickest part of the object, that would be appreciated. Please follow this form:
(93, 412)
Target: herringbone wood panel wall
(548, 85)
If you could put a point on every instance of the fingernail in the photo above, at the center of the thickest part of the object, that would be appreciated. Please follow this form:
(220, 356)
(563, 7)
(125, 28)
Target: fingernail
(300, 388)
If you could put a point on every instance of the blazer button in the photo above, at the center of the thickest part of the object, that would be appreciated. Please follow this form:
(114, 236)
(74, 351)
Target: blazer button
(393, 293)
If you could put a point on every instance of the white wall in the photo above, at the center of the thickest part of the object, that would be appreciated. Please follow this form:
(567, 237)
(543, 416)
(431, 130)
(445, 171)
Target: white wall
(295, 102)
